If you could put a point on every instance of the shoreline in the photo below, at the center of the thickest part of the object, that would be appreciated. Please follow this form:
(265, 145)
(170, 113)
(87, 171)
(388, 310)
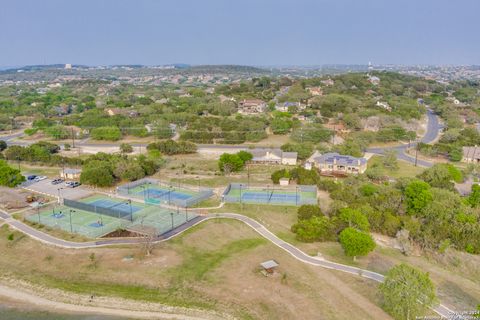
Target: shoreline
(18, 297)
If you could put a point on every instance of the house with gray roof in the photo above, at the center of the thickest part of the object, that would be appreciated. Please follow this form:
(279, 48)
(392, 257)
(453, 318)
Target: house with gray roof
(471, 154)
(341, 164)
(273, 156)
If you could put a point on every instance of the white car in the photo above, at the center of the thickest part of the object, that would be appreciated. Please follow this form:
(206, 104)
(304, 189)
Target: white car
(39, 178)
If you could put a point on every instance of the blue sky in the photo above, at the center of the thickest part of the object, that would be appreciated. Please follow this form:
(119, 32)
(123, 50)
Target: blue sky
(250, 32)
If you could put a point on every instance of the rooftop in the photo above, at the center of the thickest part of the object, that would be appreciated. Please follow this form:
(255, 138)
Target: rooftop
(337, 158)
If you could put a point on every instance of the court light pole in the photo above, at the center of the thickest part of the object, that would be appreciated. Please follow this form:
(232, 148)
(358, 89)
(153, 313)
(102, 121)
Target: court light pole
(71, 227)
(59, 196)
(296, 195)
(131, 210)
(240, 193)
(171, 215)
(169, 199)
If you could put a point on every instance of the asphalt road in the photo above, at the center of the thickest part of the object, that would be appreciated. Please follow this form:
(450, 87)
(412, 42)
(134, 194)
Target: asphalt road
(431, 134)
(259, 228)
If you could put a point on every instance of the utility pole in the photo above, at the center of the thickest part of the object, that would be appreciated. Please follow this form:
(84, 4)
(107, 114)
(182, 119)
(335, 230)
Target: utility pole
(73, 139)
(416, 154)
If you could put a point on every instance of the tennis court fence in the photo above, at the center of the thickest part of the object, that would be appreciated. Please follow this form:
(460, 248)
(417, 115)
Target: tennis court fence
(112, 212)
(300, 195)
(173, 195)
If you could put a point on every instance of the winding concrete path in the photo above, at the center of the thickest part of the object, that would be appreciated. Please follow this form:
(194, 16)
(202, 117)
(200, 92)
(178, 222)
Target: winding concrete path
(259, 228)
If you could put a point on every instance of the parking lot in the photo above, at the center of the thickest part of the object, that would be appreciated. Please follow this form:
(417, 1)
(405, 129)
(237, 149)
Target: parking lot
(47, 188)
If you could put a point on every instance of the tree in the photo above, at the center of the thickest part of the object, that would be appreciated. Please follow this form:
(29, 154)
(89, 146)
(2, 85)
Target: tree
(126, 148)
(356, 243)
(407, 292)
(474, 197)
(97, 173)
(417, 195)
(317, 228)
(354, 219)
(441, 176)
(3, 145)
(245, 156)
(304, 150)
(57, 132)
(277, 175)
(106, 133)
(390, 160)
(230, 163)
(172, 147)
(308, 211)
(10, 177)
(281, 125)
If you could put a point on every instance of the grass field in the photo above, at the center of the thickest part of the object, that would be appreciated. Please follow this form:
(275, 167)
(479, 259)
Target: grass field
(405, 169)
(213, 266)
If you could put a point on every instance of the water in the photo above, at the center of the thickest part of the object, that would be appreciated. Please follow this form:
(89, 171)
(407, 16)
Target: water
(12, 313)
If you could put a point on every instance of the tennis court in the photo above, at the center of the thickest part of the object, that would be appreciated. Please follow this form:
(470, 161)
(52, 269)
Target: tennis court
(271, 195)
(157, 192)
(88, 224)
(99, 215)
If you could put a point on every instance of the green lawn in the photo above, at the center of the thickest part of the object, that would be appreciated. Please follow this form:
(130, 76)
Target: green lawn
(405, 169)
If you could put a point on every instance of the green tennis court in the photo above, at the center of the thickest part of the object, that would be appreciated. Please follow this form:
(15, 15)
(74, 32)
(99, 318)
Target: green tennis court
(271, 195)
(103, 215)
(77, 221)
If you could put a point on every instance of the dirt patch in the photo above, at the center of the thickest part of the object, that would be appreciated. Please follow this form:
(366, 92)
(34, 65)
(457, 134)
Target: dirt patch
(296, 291)
(11, 199)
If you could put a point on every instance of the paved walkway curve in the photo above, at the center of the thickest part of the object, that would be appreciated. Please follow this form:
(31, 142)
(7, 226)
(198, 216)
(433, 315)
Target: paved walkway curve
(255, 225)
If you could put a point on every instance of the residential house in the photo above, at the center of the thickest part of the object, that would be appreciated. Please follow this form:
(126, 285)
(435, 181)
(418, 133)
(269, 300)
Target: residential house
(225, 98)
(315, 91)
(63, 110)
(374, 80)
(335, 163)
(339, 127)
(328, 82)
(273, 156)
(471, 154)
(71, 174)
(129, 112)
(384, 105)
(251, 106)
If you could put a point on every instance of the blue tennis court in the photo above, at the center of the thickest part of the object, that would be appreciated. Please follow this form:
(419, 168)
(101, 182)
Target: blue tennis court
(120, 206)
(163, 193)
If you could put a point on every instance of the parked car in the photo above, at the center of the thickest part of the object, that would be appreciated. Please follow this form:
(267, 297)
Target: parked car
(57, 181)
(31, 178)
(39, 178)
(72, 184)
